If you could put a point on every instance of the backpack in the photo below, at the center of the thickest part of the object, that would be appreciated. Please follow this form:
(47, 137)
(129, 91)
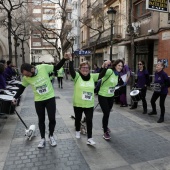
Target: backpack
(99, 84)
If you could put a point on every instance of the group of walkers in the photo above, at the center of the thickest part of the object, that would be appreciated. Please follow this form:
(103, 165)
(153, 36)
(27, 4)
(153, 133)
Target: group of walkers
(83, 97)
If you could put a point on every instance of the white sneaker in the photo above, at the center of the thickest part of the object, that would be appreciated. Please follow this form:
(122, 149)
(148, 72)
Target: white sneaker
(41, 144)
(90, 141)
(52, 141)
(78, 134)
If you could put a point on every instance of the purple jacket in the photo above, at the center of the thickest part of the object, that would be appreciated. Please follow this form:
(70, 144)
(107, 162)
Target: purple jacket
(9, 73)
(143, 78)
(2, 82)
(161, 78)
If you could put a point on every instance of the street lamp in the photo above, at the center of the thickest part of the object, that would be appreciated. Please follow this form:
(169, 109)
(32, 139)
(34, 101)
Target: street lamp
(111, 16)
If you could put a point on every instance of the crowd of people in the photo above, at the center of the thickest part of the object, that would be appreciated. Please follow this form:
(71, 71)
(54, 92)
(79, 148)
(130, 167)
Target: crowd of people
(111, 75)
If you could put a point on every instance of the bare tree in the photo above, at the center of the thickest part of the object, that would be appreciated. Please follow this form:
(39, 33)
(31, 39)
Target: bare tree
(8, 7)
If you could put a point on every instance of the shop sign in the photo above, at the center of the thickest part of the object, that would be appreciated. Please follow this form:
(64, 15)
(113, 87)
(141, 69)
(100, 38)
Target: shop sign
(157, 5)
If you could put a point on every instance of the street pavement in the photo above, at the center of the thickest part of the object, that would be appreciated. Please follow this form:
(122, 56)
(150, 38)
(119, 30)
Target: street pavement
(137, 141)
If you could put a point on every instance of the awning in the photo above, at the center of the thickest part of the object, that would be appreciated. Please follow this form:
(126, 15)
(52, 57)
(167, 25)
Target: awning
(152, 37)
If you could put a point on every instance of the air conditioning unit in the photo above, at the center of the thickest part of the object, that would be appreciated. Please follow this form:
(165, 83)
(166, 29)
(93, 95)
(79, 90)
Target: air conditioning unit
(136, 27)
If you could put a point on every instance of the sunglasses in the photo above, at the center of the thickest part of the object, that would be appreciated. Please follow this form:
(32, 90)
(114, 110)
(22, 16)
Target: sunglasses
(139, 64)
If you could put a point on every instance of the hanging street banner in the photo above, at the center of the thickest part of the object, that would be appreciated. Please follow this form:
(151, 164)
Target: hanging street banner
(158, 5)
(82, 52)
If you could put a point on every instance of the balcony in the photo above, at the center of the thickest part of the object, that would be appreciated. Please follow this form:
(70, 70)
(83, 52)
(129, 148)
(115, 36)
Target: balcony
(85, 44)
(68, 25)
(105, 37)
(87, 16)
(68, 8)
(107, 1)
(97, 6)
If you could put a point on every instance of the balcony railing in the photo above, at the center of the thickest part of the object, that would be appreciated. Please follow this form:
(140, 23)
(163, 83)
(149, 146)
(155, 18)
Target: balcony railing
(96, 6)
(117, 33)
(87, 15)
(68, 8)
(68, 25)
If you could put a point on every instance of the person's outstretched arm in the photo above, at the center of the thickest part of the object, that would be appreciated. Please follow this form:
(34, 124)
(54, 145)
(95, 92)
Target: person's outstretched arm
(71, 68)
(61, 63)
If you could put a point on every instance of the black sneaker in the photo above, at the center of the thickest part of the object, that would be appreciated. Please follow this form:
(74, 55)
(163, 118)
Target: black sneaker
(152, 113)
(133, 107)
(160, 120)
(145, 112)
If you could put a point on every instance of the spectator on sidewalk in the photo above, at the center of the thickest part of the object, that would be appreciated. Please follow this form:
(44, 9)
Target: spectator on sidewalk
(96, 69)
(9, 71)
(60, 75)
(2, 78)
(83, 99)
(142, 82)
(162, 79)
(38, 78)
(106, 94)
(125, 75)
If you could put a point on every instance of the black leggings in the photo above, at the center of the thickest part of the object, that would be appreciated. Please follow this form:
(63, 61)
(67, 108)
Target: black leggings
(40, 107)
(106, 104)
(60, 81)
(78, 111)
(161, 102)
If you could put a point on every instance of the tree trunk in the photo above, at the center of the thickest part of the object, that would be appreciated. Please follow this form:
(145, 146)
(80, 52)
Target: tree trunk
(9, 35)
(16, 55)
(23, 52)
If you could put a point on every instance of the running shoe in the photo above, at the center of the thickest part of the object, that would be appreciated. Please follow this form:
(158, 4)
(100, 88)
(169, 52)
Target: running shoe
(106, 136)
(52, 141)
(90, 141)
(42, 143)
(78, 134)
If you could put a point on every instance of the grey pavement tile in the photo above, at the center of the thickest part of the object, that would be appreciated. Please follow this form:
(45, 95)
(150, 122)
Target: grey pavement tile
(117, 122)
(143, 166)
(140, 146)
(26, 155)
(161, 164)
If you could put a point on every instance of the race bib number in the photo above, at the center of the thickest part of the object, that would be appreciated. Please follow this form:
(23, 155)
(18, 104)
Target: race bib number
(111, 90)
(42, 89)
(87, 96)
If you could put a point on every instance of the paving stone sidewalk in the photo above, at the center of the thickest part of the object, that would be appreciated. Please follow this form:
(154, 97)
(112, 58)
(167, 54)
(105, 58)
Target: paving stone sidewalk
(137, 141)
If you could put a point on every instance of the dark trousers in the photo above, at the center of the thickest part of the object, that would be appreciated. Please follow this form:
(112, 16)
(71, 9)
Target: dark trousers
(143, 97)
(161, 102)
(60, 81)
(106, 104)
(123, 98)
(40, 107)
(78, 111)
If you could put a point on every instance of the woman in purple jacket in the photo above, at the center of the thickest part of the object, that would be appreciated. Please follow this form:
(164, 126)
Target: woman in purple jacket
(162, 79)
(142, 82)
(2, 78)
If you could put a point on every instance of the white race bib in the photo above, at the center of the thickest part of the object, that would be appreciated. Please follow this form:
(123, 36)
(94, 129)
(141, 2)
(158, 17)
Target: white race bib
(111, 90)
(42, 89)
(87, 95)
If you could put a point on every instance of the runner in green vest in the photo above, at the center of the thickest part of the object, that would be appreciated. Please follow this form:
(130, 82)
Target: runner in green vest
(106, 94)
(83, 99)
(38, 78)
(60, 75)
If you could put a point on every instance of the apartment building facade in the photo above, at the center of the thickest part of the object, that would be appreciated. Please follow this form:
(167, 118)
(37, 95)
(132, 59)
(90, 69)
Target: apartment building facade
(150, 32)
(43, 38)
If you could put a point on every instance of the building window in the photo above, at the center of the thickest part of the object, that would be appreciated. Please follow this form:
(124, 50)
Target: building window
(37, 51)
(36, 11)
(48, 11)
(36, 36)
(38, 19)
(36, 44)
(140, 9)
